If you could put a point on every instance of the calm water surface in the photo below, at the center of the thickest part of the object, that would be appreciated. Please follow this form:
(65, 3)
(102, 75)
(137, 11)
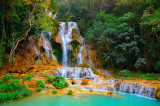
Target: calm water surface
(91, 100)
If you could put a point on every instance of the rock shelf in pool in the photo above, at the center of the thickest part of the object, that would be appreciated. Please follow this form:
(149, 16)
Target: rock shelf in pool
(108, 84)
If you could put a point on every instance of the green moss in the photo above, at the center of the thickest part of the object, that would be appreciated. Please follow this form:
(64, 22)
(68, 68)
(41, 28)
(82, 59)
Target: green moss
(39, 88)
(54, 91)
(75, 49)
(57, 50)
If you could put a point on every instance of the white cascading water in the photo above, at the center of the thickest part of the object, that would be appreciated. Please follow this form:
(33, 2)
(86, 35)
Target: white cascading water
(79, 58)
(37, 52)
(48, 47)
(54, 16)
(135, 88)
(66, 36)
(90, 60)
(75, 73)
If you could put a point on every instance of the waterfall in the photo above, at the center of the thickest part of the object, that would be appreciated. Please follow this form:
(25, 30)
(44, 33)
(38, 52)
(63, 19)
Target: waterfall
(47, 45)
(135, 88)
(66, 39)
(79, 59)
(66, 36)
(90, 60)
(54, 16)
(75, 73)
(37, 52)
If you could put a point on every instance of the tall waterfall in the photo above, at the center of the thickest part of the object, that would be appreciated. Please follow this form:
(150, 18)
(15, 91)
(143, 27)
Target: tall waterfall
(47, 45)
(66, 36)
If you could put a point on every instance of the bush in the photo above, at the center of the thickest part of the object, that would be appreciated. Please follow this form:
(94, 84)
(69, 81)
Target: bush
(11, 86)
(125, 73)
(85, 82)
(6, 97)
(54, 91)
(39, 88)
(41, 83)
(158, 79)
(59, 82)
(150, 76)
(1, 81)
(29, 77)
(9, 76)
(12, 90)
(70, 92)
(49, 77)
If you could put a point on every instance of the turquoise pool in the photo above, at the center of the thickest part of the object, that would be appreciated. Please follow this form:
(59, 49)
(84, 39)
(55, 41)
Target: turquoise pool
(91, 100)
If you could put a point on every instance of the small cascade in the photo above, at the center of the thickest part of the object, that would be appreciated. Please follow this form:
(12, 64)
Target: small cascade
(79, 58)
(90, 60)
(37, 52)
(75, 73)
(135, 88)
(47, 45)
(54, 16)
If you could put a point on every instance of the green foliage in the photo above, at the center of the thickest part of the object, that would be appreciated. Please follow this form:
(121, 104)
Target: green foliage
(8, 77)
(59, 82)
(157, 66)
(39, 88)
(12, 90)
(54, 91)
(150, 76)
(138, 74)
(29, 77)
(125, 73)
(41, 83)
(49, 77)
(20, 17)
(151, 17)
(1, 81)
(70, 92)
(6, 97)
(2, 52)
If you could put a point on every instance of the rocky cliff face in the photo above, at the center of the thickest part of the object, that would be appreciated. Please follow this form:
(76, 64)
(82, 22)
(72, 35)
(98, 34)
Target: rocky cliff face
(67, 46)
(38, 51)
